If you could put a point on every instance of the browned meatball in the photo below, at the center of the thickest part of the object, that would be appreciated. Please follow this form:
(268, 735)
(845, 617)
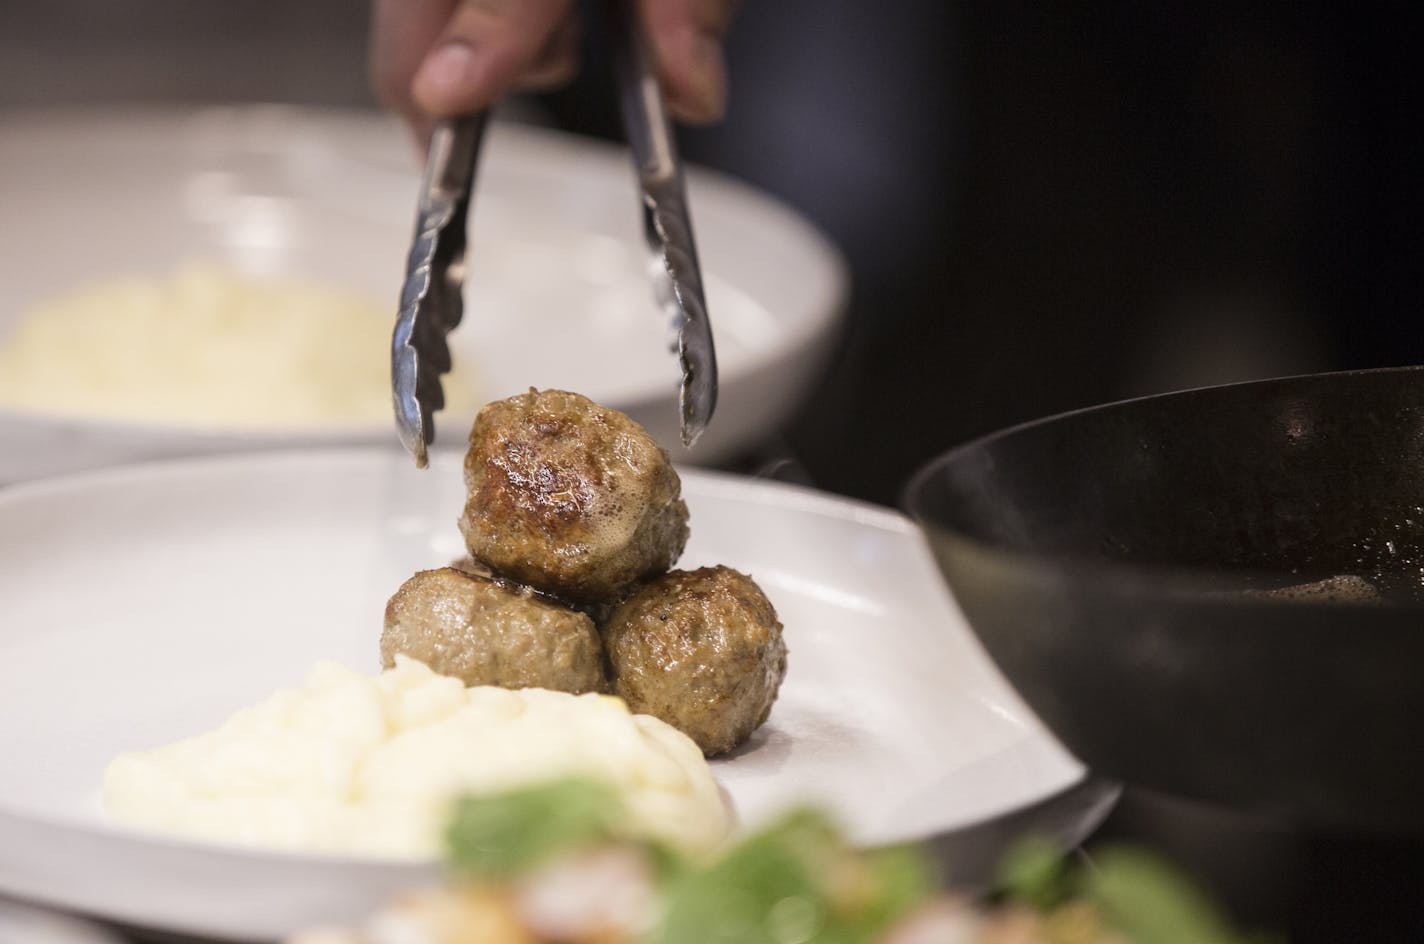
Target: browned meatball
(485, 633)
(702, 650)
(569, 497)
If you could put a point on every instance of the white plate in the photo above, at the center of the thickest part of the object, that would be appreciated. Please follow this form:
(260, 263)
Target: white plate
(557, 296)
(141, 605)
(24, 923)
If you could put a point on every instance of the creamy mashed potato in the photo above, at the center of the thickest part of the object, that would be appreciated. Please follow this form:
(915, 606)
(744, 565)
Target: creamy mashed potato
(207, 346)
(369, 765)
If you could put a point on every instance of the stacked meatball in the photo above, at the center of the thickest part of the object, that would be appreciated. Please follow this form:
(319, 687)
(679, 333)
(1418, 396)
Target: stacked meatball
(574, 517)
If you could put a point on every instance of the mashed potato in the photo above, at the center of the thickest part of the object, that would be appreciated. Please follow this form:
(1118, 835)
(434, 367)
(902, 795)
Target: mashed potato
(367, 765)
(208, 347)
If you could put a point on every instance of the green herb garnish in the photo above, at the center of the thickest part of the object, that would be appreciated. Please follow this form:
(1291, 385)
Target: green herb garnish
(503, 835)
(795, 882)
(799, 881)
(1152, 901)
(1034, 872)
(1136, 892)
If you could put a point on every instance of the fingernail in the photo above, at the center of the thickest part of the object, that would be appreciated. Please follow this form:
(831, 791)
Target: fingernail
(443, 77)
(709, 77)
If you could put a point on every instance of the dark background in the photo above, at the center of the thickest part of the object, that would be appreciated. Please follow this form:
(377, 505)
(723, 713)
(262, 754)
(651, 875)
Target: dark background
(1052, 205)
(1045, 205)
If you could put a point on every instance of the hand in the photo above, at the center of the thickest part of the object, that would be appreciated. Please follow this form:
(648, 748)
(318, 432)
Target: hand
(432, 59)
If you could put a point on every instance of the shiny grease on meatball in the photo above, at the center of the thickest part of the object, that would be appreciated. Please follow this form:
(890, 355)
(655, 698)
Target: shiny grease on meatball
(570, 497)
(486, 633)
(702, 650)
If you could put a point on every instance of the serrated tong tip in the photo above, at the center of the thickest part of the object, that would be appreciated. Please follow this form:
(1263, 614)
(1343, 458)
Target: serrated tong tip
(667, 223)
(432, 296)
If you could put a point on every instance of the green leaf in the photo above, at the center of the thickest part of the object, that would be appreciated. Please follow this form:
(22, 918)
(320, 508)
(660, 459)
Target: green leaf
(762, 891)
(795, 882)
(900, 878)
(1152, 902)
(501, 835)
(1034, 872)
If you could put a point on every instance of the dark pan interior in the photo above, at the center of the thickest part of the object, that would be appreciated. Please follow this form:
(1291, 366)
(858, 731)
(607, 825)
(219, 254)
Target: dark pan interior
(1100, 557)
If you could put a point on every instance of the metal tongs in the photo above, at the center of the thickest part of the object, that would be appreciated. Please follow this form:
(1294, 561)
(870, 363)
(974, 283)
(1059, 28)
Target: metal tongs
(431, 301)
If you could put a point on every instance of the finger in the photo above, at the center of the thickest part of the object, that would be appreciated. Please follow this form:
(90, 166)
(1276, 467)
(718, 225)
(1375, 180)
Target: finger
(557, 62)
(402, 32)
(686, 37)
(484, 49)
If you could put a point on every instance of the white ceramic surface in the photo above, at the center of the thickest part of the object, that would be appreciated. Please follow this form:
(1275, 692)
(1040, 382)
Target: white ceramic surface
(25, 924)
(557, 295)
(141, 605)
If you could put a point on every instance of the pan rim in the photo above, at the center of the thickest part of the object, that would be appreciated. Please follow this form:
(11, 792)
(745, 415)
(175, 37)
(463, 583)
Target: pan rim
(1175, 582)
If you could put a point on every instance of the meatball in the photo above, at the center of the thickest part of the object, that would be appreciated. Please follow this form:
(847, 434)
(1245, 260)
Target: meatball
(485, 633)
(569, 497)
(702, 650)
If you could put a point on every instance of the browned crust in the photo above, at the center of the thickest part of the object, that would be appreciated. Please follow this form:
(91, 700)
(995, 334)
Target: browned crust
(570, 497)
(702, 650)
(484, 632)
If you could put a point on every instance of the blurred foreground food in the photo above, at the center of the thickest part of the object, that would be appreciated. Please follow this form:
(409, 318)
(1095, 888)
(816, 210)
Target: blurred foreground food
(206, 346)
(548, 865)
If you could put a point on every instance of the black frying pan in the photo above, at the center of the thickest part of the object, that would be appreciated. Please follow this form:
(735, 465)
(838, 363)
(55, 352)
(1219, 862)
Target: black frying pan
(1113, 562)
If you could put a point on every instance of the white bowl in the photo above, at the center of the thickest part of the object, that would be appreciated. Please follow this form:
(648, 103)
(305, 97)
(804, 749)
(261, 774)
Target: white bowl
(557, 295)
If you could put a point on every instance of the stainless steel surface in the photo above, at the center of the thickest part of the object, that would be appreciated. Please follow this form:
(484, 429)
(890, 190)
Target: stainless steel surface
(431, 301)
(667, 224)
